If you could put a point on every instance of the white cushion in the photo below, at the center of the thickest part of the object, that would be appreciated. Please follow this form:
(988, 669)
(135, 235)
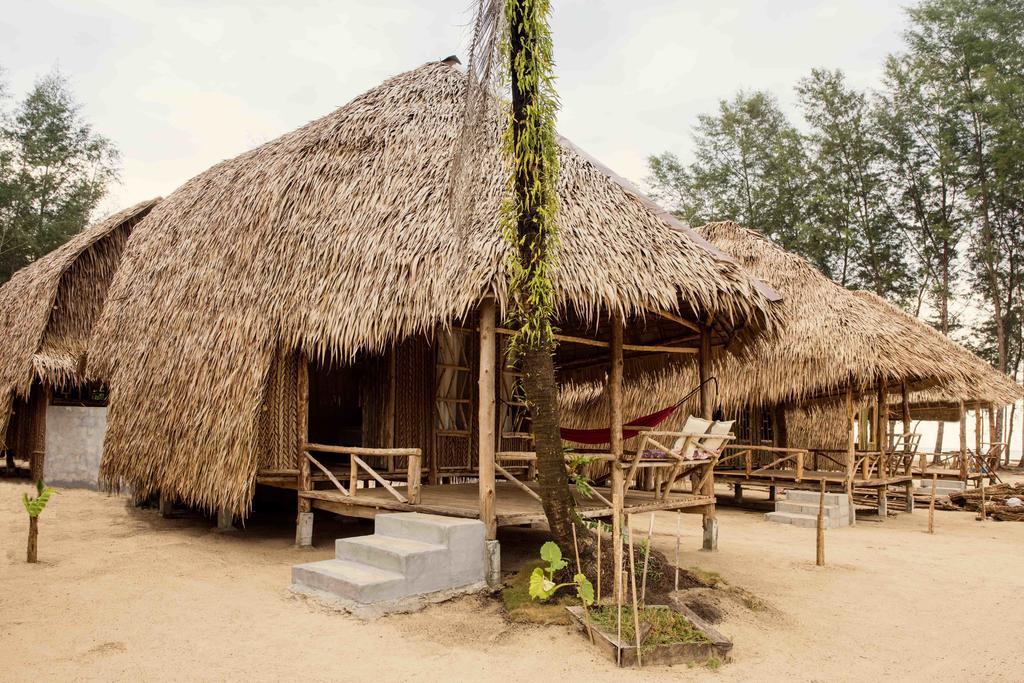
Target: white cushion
(720, 428)
(693, 425)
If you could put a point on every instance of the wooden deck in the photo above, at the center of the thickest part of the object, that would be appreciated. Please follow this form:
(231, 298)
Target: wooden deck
(949, 474)
(513, 506)
(787, 478)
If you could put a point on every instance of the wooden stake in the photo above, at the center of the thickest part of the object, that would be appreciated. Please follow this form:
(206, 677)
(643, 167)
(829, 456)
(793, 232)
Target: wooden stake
(981, 515)
(632, 578)
(931, 505)
(820, 560)
(579, 570)
(647, 556)
(600, 568)
(679, 520)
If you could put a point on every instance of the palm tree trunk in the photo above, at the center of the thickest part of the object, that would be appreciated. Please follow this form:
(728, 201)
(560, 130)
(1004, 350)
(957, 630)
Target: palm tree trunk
(538, 363)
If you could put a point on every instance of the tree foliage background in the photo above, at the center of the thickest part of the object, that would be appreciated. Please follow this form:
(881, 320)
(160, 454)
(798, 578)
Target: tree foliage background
(913, 189)
(54, 170)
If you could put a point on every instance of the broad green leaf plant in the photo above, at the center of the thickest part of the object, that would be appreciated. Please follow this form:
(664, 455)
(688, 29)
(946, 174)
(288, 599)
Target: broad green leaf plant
(34, 506)
(542, 581)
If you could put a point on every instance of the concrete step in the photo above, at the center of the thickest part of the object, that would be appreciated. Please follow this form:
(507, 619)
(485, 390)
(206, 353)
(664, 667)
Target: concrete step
(352, 580)
(942, 487)
(808, 521)
(811, 498)
(807, 509)
(464, 539)
(402, 555)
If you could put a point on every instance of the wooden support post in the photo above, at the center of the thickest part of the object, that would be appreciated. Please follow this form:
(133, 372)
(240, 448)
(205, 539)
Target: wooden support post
(616, 446)
(905, 402)
(979, 432)
(225, 520)
(993, 437)
(781, 428)
(882, 433)
(820, 536)
(391, 400)
(910, 497)
(704, 365)
(617, 478)
(165, 505)
(772, 493)
(709, 519)
(963, 442)
(737, 493)
(851, 454)
(486, 416)
(304, 521)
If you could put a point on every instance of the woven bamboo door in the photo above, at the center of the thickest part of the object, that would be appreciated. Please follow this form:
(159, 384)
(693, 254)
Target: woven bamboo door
(454, 389)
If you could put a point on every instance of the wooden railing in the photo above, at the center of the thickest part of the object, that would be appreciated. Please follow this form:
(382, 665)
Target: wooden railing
(356, 462)
(790, 458)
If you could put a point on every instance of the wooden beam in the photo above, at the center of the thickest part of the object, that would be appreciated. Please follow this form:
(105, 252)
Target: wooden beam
(850, 444)
(679, 320)
(645, 348)
(486, 414)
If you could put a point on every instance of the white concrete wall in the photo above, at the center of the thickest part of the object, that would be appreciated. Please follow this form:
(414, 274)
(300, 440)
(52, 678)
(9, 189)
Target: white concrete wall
(74, 445)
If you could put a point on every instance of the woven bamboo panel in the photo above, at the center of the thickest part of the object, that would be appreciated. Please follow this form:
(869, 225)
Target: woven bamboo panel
(278, 421)
(414, 398)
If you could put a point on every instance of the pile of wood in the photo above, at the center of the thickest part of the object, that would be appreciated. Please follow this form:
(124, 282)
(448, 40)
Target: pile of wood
(995, 501)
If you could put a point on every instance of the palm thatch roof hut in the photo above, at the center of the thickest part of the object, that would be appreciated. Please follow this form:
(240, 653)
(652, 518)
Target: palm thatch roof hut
(48, 310)
(832, 341)
(340, 244)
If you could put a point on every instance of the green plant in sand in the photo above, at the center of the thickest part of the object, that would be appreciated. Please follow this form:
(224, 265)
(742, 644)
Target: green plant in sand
(34, 507)
(542, 580)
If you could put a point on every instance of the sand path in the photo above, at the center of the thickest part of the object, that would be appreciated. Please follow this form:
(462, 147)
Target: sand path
(123, 594)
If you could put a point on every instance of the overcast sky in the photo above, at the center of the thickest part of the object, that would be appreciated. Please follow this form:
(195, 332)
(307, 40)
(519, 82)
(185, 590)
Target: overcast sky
(181, 85)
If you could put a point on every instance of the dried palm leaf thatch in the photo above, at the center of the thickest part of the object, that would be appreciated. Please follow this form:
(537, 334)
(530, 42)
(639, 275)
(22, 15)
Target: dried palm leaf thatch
(830, 338)
(48, 308)
(980, 384)
(340, 238)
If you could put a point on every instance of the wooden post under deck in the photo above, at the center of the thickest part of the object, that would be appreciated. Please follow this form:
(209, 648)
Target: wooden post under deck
(882, 442)
(304, 522)
(486, 416)
(615, 444)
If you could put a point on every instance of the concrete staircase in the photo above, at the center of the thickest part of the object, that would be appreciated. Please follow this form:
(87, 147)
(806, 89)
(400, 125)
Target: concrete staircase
(800, 508)
(409, 554)
(943, 487)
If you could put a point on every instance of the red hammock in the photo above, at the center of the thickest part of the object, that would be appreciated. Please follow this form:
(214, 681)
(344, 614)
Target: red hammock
(599, 436)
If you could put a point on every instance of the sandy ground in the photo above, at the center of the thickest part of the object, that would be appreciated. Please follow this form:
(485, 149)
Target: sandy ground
(122, 594)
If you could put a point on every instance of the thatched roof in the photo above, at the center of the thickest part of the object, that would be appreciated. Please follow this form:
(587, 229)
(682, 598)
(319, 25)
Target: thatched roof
(49, 307)
(341, 237)
(830, 337)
